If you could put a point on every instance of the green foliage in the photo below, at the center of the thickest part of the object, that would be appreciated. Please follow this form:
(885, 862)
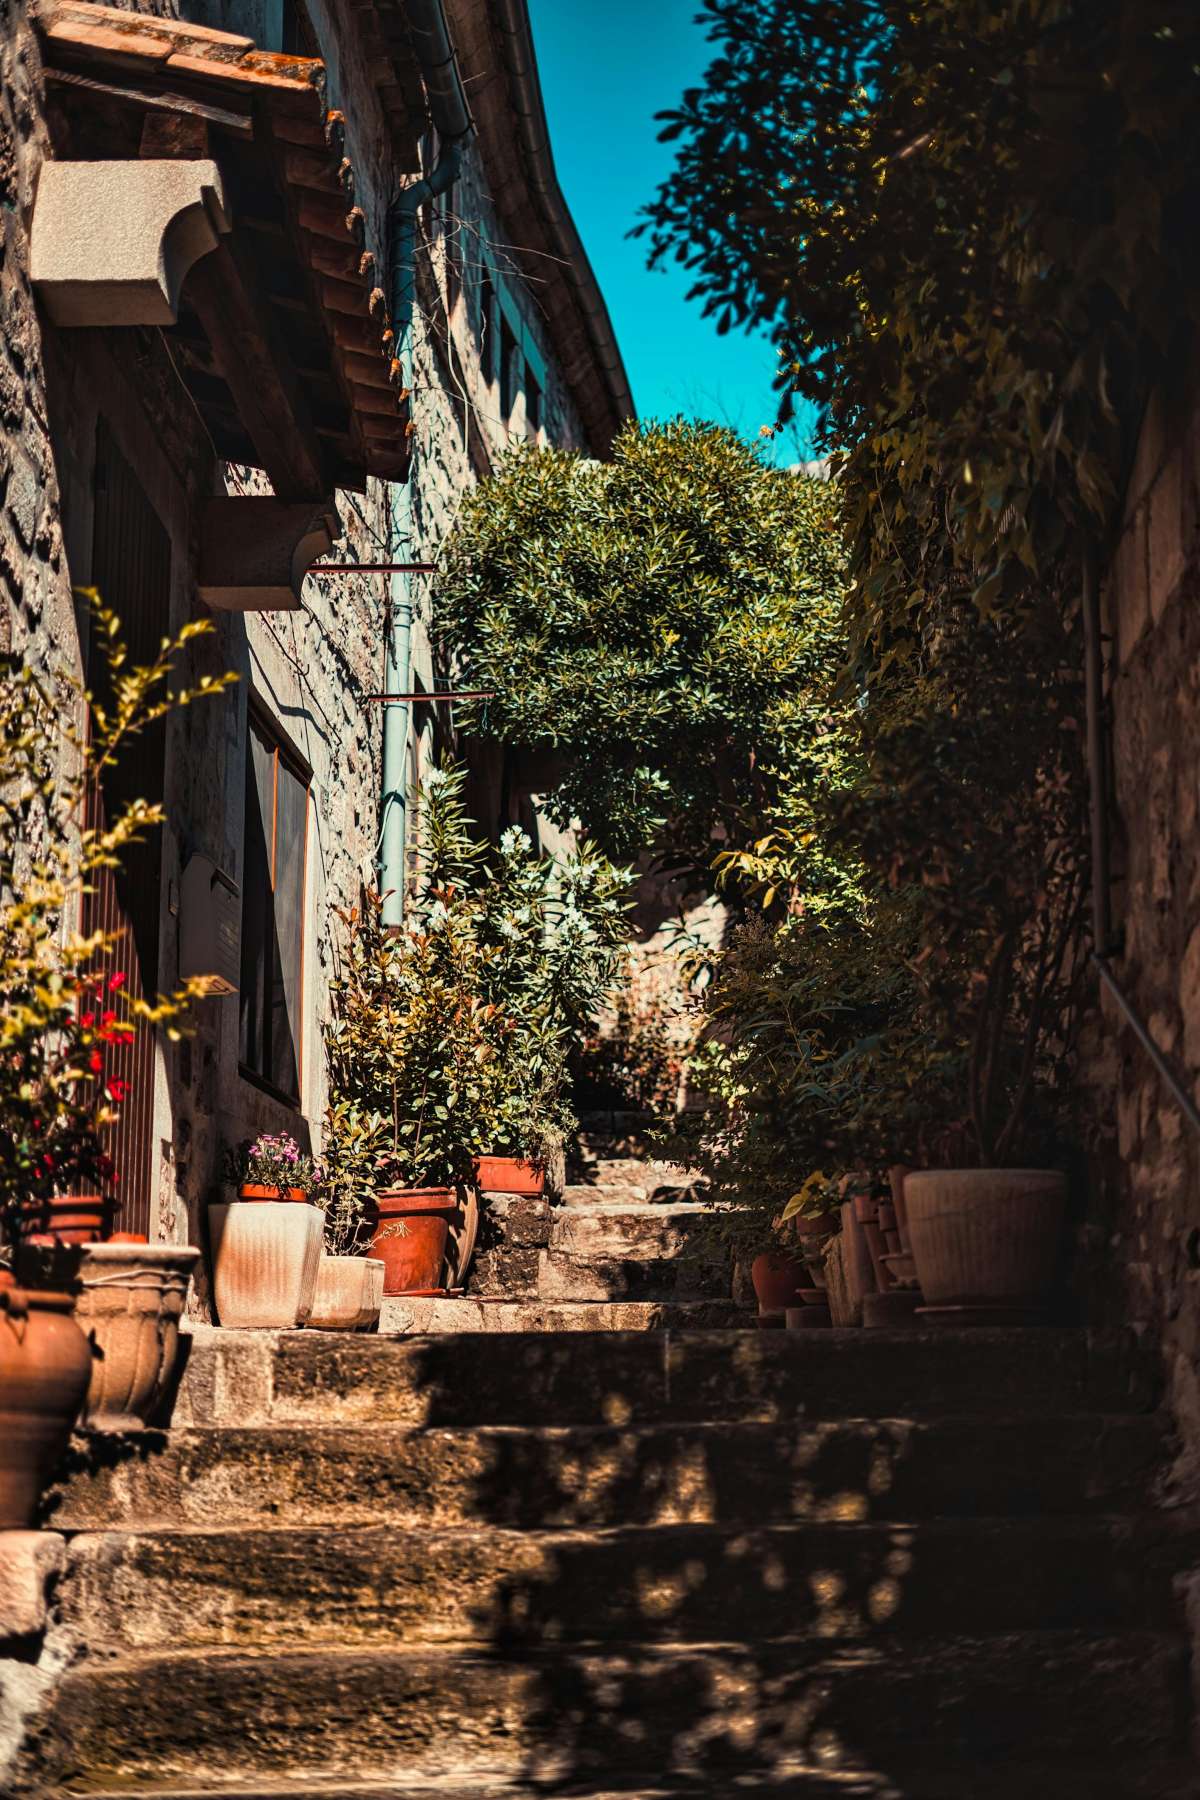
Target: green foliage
(62, 1010)
(663, 621)
(450, 1039)
(970, 227)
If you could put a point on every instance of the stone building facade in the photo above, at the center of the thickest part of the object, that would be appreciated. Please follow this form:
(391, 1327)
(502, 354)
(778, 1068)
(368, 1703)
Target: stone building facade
(205, 387)
(1151, 1225)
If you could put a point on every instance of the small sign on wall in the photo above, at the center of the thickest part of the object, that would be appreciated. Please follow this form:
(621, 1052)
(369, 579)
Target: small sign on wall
(210, 925)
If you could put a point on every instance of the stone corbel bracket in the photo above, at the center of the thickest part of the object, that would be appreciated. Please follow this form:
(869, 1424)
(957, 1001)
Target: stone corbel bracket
(112, 242)
(255, 551)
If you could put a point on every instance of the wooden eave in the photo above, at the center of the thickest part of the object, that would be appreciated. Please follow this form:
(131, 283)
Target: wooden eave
(283, 336)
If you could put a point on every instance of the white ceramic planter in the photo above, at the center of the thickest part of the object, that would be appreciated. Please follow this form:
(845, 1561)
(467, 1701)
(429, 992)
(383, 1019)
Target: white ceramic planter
(338, 1299)
(985, 1237)
(266, 1255)
(130, 1301)
(372, 1293)
(349, 1293)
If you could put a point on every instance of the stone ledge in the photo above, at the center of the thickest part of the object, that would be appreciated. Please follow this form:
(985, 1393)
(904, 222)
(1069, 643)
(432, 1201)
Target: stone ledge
(28, 1562)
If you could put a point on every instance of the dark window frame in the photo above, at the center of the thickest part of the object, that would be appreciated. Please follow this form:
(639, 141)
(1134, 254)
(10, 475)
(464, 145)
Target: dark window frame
(283, 755)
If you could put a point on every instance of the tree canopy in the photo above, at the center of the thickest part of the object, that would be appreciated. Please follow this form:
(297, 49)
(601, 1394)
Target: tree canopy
(970, 227)
(668, 622)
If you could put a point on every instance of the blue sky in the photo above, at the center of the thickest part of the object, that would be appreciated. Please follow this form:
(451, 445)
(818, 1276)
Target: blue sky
(607, 66)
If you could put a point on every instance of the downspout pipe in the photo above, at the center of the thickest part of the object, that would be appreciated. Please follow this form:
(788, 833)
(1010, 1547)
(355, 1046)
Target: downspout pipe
(451, 115)
(1105, 943)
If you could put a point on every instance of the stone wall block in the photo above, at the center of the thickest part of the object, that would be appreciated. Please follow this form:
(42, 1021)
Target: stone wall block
(518, 1221)
(1167, 558)
(29, 1560)
(1151, 452)
(1131, 600)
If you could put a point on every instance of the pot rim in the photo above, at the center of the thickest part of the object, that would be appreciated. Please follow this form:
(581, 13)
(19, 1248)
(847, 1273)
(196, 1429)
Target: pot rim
(393, 1201)
(140, 1253)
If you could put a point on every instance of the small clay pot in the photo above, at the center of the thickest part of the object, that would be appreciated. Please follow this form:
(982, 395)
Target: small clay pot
(253, 1190)
(508, 1175)
(413, 1258)
(778, 1280)
(45, 1365)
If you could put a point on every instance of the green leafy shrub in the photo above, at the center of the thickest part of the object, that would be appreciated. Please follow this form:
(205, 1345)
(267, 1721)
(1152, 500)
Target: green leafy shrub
(661, 622)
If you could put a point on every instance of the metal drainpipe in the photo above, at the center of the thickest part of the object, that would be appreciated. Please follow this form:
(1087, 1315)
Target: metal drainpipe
(448, 106)
(1104, 942)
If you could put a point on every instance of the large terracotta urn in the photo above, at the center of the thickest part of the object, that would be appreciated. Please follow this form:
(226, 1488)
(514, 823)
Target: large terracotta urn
(131, 1299)
(266, 1255)
(45, 1365)
(985, 1241)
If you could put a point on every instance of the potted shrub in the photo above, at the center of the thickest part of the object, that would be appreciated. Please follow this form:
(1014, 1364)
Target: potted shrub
(349, 1288)
(266, 1244)
(447, 1042)
(413, 1063)
(975, 806)
(60, 1017)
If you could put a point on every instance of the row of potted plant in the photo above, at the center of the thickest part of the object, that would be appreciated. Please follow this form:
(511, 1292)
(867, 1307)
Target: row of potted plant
(942, 1246)
(288, 1251)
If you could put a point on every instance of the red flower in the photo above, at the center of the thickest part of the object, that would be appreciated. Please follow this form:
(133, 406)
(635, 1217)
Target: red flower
(117, 1088)
(116, 981)
(108, 1018)
(95, 1062)
(87, 1019)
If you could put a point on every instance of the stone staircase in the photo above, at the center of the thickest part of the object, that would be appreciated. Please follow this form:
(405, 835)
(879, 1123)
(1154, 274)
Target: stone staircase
(816, 1565)
(616, 1251)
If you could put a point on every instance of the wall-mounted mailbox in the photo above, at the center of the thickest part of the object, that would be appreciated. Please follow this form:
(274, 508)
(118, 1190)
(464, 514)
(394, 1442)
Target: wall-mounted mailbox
(210, 924)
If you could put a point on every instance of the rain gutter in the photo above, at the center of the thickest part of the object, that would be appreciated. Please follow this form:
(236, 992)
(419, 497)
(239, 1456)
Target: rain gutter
(452, 118)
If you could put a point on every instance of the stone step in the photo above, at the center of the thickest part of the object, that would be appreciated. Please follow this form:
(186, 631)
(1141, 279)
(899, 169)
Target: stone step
(648, 1378)
(366, 1587)
(633, 1251)
(562, 1277)
(1051, 1779)
(587, 1477)
(562, 1716)
(572, 1312)
(634, 1188)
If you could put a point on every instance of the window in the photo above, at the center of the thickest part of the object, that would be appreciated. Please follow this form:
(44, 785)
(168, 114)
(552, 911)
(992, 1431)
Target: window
(273, 872)
(487, 331)
(510, 369)
(533, 403)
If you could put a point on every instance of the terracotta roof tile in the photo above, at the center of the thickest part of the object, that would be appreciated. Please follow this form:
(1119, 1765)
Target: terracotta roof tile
(305, 146)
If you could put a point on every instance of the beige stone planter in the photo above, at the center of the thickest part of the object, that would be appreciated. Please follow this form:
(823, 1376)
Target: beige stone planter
(266, 1255)
(372, 1293)
(130, 1302)
(348, 1295)
(985, 1240)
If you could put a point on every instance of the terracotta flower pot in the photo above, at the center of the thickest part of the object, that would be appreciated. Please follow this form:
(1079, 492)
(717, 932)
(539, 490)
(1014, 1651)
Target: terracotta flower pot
(413, 1258)
(66, 1219)
(778, 1279)
(131, 1299)
(45, 1364)
(265, 1263)
(253, 1190)
(341, 1293)
(985, 1239)
(373, 1273)
(508, 1175)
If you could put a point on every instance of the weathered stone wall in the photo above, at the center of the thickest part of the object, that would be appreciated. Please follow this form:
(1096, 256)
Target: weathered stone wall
(1152, 1211)
(312, 670)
